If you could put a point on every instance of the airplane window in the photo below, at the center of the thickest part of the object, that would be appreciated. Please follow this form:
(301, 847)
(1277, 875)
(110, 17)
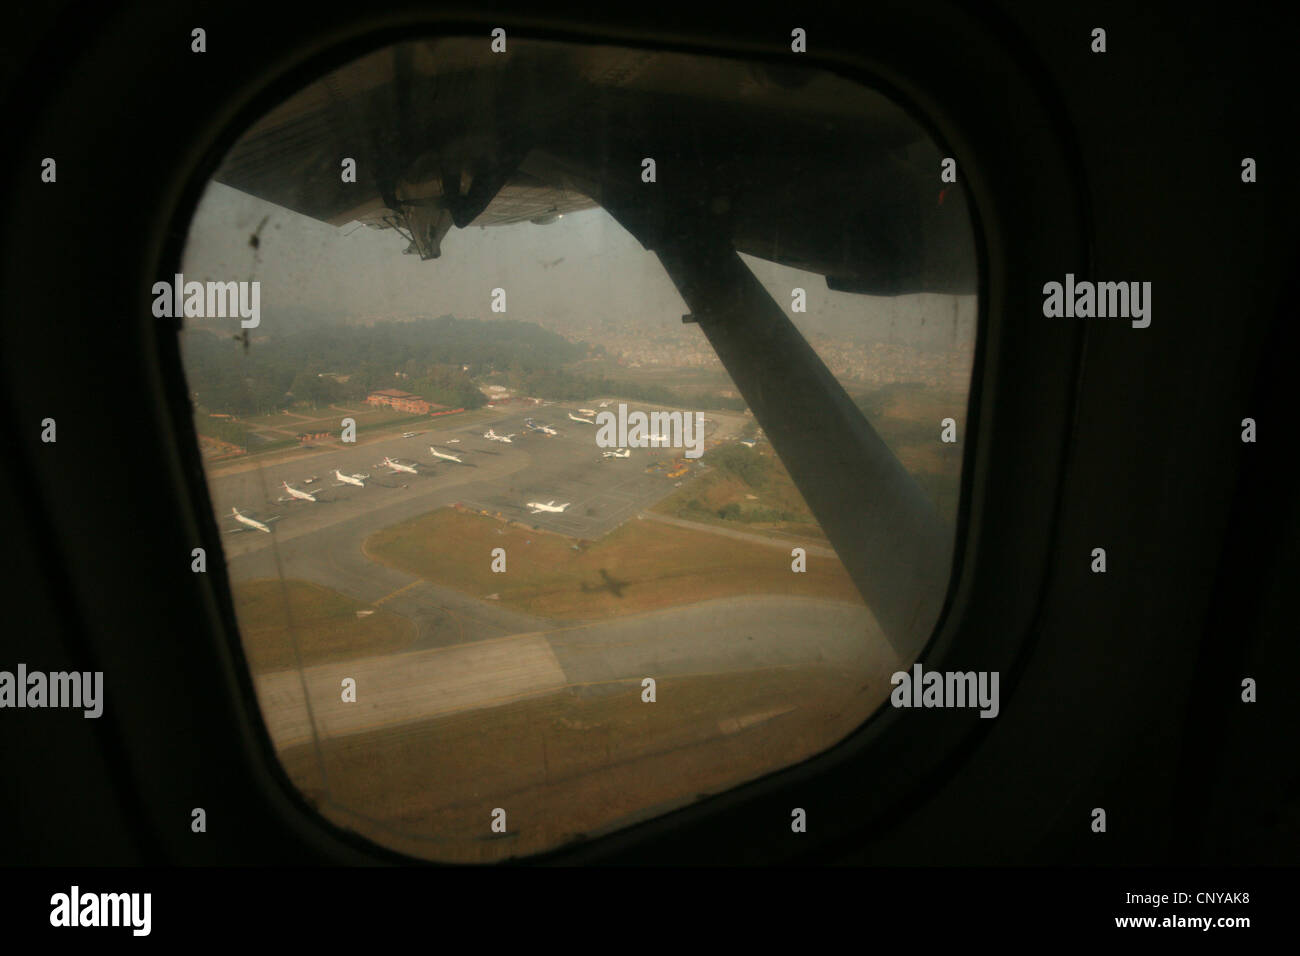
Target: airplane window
(584, 426)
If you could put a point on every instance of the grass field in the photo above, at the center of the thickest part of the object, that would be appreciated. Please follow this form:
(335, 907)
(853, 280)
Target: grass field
(640, 566)
(272, 614)
(575, 763)
(703, 497)
(908, 418)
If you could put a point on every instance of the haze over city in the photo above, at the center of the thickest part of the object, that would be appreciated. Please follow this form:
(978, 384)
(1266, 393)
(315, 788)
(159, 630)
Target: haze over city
(582, 276)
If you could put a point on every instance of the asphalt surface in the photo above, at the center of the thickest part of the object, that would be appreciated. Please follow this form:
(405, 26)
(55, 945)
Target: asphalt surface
(499, 477)
(323, 541)
(725, 636)
(470, 652)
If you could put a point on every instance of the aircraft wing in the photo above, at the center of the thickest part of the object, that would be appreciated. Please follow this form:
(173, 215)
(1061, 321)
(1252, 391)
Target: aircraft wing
(443, 135)
(401, 184)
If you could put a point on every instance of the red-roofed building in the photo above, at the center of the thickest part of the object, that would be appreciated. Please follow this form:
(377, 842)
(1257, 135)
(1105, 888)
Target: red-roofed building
(401, 401)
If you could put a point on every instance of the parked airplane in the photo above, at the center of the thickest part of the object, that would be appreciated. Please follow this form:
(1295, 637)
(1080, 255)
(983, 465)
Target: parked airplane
(250, 523)
(604, 404)
(537, 507)
(297, 493)
(409, 434)
(544, 429)
(442, 454)
(621, 453)
(397, 466)
(587, 411)
(493, 436)
(357, 480)
(577, 419)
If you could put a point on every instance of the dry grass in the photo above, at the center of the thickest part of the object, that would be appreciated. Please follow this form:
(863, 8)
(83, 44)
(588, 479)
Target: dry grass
(577, 762)
(641, 566)
(324, 622)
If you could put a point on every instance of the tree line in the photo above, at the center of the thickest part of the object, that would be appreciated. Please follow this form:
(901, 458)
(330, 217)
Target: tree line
(441, 360)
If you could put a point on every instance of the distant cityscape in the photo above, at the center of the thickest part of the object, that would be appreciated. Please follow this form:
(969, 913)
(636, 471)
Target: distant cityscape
(869, 364)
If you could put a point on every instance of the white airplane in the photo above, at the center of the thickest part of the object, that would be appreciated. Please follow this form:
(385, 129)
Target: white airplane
(621, 453)
(249, 522)
(409, 434)
(493, 436)
(604, 404)
(397, 466)
(537, 507)
(358, 480)
(547, 430)
(453, 441)
(577, 419)
(587, 411)
(442, 454)
(296, 493)
(748, 443)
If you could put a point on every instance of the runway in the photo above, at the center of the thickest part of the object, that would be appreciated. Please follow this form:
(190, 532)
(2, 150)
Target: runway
(715, 637)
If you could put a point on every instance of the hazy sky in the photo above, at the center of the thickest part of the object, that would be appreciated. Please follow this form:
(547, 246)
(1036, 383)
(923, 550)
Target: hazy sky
(361, 272)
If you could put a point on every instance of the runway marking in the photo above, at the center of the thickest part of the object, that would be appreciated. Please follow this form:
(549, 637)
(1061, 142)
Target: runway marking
(404, 688)
(288, 729)
(405, 587)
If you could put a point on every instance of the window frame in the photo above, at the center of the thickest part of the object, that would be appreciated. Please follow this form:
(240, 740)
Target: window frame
(1017, 433)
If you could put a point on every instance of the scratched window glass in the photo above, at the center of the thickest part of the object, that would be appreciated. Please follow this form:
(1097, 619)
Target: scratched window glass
(583, 427)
